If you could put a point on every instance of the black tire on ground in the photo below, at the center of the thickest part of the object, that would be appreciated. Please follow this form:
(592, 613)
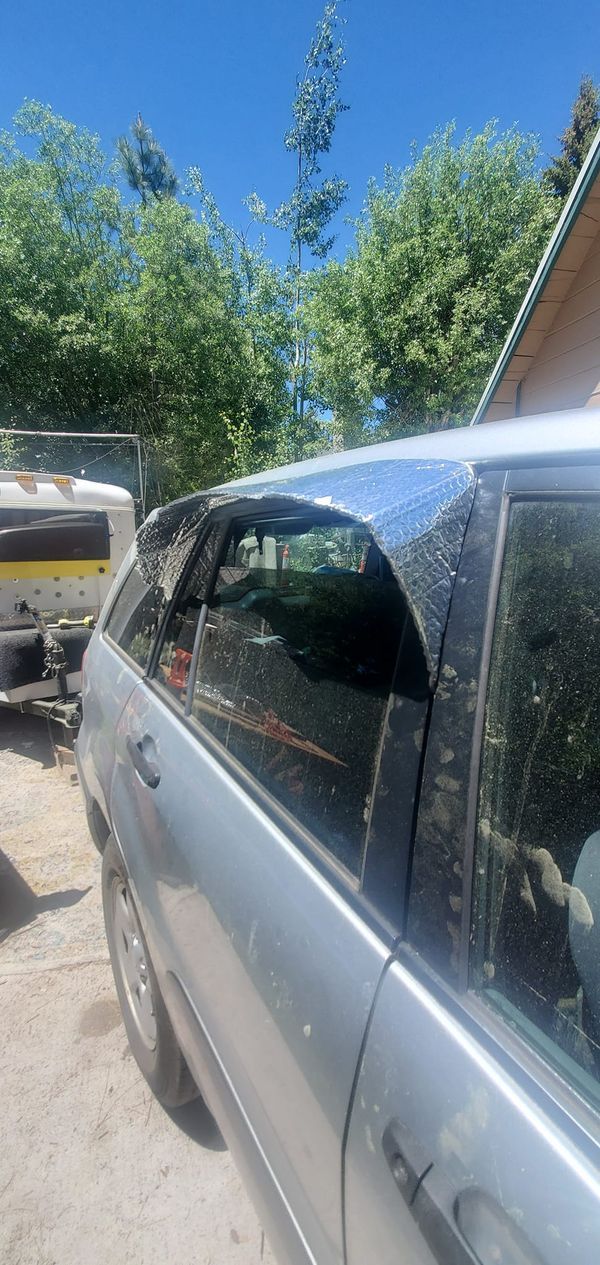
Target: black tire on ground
(163, 1066)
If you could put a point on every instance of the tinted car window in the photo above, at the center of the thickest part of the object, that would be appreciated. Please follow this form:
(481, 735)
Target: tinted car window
(537, 920)
(134, 618)
(296, 666)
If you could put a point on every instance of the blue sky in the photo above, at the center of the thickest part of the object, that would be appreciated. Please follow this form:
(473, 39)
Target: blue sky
(215, 80)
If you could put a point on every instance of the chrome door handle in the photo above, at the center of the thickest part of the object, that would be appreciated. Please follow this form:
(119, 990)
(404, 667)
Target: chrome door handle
(149, 773)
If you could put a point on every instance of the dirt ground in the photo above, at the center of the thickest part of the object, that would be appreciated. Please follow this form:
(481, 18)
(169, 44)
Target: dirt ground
(91, 1167)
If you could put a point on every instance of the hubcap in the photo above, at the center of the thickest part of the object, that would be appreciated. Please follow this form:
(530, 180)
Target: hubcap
(133, 966)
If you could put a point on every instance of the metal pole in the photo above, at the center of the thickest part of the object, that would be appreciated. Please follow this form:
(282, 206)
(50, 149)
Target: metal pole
(69, 434)
(140, 475)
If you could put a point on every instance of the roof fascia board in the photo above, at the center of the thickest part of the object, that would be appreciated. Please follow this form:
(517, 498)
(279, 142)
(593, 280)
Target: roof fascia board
(570, 211)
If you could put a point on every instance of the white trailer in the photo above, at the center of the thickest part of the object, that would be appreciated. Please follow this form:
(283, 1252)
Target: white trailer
(61, 542)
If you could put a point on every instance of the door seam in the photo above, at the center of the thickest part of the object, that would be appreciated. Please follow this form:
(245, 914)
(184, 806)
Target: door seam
(353, 1091)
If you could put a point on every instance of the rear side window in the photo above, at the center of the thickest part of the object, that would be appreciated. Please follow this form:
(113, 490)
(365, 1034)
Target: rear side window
(174, 658)
(295, 669)
(537, 911)
(134, 618)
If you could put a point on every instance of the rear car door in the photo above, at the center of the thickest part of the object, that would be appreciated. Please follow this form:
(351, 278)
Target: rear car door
(477, 1103)
(115, 661)
(248, 826)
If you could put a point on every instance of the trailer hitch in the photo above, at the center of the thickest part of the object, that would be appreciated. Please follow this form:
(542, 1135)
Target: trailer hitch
(55, 662)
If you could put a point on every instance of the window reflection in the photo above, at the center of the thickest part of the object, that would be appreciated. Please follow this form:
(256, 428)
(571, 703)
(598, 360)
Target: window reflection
(296, 666)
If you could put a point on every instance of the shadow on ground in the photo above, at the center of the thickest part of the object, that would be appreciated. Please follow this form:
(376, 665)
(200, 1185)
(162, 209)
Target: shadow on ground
(26, 735)
(197, 1123)
(19, 905)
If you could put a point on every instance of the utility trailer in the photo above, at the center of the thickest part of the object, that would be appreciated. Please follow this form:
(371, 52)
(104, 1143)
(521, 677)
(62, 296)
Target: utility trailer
(61, 542)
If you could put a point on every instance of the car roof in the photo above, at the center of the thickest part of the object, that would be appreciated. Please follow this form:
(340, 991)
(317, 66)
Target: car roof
(572, 435)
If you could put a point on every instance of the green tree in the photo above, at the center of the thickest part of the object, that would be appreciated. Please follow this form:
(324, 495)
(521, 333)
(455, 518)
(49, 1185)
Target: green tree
(314, 199)
(561, 174)
(408, 327)
(62, 259)
(145, 164)
(201, 375)
(125, 317)
(257, 436)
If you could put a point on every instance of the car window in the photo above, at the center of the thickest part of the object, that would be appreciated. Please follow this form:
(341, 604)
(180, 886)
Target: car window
(537, 908)
(296, 666)
(135, 616)
(176, 648)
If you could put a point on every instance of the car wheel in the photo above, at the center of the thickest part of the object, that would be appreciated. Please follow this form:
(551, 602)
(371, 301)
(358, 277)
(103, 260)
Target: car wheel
(149, 1030)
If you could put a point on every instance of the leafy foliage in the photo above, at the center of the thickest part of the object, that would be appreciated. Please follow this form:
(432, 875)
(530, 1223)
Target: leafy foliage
(154, 320)
(576, 139)
(314, 199)
(61, 262)
(313, 202)
(408, 327)
(153, 315)
(145, 164)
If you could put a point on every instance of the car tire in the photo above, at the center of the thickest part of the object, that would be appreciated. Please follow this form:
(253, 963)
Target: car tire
(149, 1030)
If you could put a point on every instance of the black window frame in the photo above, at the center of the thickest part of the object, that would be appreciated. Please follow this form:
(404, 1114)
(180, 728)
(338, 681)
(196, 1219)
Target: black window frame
(438, 879)
(442, 961)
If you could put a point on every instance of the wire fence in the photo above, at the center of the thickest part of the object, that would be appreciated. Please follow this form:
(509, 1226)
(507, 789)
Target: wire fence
(124, 460)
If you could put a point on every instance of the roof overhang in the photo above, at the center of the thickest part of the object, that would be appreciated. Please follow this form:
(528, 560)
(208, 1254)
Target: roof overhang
(577, 227)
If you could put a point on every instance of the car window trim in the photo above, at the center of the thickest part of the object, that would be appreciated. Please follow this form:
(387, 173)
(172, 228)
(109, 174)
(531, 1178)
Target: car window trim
(436, 877)
(344, 882)
(464, 963)
(520, 486)
(389, 889)
(121, 654)
(198, 639)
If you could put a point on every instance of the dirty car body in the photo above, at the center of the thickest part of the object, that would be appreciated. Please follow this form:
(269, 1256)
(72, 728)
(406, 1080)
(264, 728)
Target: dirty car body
(339, 726)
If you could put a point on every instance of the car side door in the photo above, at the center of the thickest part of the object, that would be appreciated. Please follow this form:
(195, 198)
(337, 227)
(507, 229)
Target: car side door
(115, 660)
(477, 1103)
(249, 856)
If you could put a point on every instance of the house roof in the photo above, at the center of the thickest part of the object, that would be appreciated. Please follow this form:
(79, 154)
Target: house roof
(570, 241)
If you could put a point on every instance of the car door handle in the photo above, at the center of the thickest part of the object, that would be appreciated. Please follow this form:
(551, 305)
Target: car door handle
(149, 773)
(464, 1227)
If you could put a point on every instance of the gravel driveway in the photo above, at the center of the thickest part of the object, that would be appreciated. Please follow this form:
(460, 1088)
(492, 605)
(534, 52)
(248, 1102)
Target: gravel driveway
(91, 1167)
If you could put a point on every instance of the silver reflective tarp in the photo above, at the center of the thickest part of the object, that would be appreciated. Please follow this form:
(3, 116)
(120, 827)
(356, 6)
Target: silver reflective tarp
(417, 512)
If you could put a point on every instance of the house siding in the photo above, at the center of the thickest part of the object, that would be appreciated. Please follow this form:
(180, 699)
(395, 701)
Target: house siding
(552, 355)
(565, 372)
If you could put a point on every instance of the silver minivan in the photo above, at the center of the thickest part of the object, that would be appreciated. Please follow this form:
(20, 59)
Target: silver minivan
(341, 754)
